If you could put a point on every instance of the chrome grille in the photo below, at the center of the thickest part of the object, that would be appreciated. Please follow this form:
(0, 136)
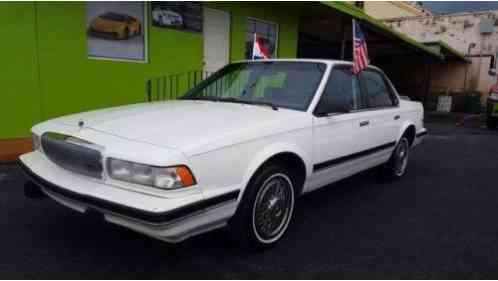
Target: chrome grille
(71, 155)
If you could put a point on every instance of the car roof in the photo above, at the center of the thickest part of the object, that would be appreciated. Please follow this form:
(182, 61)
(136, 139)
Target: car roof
(326, 61)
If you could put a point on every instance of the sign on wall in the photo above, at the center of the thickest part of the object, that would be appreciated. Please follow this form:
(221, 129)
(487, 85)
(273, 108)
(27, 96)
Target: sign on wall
(184, 16)
(116, 30)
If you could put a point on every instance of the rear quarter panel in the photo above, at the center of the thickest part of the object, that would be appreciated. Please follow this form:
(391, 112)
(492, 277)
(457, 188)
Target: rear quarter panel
(412, 114)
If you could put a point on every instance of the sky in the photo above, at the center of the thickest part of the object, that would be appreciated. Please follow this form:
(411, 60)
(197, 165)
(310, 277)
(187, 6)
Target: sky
(457, 6)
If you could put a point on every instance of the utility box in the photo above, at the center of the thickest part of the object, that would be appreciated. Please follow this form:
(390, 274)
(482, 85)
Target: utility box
(486, 26)
(444, 104)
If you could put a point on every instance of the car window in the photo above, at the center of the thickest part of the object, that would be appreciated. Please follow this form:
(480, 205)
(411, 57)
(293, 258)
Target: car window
(115, 17)
(284, 84)
(378, 93)
(341, 94)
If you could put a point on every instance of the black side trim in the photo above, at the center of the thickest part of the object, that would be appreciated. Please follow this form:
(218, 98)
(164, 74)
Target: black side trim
(340, 160)
(148, 217)
(421, 134)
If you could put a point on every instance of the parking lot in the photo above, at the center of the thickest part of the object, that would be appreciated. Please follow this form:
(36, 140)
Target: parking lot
(440, 221)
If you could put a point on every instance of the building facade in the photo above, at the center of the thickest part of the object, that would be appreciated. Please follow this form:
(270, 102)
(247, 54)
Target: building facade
(393, 9)
(51, 73)
(67, 57)
(473, 34)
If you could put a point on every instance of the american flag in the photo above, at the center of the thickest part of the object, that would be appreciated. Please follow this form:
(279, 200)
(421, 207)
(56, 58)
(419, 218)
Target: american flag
(360, 52)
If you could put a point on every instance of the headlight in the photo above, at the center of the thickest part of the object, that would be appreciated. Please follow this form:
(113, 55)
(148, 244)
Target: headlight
(36, 142)
(160, 177)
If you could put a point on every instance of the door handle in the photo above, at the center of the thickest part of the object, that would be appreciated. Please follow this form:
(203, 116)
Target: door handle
(364, 123)
(396, 117)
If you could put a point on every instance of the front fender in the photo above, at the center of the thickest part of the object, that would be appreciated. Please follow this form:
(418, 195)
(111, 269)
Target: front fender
(269, 151)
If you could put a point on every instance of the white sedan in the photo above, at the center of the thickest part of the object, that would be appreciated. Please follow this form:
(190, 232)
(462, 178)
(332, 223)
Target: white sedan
(237, 150)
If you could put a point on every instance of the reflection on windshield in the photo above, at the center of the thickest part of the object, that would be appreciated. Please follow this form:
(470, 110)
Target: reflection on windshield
(277, 84)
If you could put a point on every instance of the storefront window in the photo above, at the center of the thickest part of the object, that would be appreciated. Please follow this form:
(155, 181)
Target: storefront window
(267, 31)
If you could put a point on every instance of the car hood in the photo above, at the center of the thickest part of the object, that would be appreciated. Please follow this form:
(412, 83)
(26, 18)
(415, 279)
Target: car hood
(191, 126)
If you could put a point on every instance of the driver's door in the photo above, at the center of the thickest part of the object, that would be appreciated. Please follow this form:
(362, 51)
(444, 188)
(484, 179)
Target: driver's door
(340, 129)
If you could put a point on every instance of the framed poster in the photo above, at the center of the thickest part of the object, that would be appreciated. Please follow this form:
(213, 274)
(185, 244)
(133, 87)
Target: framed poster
(184, 16)
(117, 31)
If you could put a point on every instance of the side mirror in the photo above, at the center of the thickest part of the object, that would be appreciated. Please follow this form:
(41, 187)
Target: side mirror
(492, 72)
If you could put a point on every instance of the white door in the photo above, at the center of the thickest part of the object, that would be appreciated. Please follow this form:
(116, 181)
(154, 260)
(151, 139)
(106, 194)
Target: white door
(340, 130)
(216, 39)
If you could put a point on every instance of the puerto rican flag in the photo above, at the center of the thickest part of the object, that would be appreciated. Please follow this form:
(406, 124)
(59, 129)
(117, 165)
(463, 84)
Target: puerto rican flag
(259, 51)
(360, 52)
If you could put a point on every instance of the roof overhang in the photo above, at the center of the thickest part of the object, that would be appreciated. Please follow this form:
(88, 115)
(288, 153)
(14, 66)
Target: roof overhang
(448, 52)
(379, 27)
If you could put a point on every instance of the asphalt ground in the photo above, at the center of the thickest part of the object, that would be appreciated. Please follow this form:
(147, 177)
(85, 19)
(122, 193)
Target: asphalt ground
(440, 221)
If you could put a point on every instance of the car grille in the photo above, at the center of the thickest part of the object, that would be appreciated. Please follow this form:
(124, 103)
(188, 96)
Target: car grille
(72, 154)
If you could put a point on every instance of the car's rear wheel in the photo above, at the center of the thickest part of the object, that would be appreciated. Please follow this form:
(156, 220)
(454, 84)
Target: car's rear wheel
(396, 166)
(265, 211)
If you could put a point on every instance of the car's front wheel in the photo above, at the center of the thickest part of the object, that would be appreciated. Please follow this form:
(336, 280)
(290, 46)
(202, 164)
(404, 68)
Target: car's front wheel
(265, 211)
(126, 33)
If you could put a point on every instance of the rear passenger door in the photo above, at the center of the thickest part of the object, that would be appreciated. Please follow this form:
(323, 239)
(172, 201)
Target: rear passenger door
(384, 114)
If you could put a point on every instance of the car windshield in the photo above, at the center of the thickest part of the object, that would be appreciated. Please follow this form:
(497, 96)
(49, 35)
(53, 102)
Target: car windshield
(116, 17)
(277, 84)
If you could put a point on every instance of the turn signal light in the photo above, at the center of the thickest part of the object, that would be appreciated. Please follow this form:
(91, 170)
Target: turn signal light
(185, 176)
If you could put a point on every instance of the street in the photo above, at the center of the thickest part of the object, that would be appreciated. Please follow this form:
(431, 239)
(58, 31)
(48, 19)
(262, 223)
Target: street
(440, 221)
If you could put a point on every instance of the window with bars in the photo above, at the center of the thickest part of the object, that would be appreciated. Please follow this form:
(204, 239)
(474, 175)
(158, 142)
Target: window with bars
(267, 31)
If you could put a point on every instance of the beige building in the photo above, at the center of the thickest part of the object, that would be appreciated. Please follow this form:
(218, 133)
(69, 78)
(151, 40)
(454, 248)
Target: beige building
(473, 34)
(392, 9)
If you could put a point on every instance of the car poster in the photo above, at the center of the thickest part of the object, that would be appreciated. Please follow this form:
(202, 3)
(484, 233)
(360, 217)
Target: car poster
(116, 30)
(184, 16)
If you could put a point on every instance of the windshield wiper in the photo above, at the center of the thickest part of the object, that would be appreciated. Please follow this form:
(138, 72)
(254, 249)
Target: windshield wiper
(234, 100)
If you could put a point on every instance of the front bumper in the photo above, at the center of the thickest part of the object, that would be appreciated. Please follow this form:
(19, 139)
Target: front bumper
(169, 219)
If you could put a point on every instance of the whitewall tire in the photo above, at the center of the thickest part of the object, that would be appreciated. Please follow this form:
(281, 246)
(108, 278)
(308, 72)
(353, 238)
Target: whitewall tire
(266, 209)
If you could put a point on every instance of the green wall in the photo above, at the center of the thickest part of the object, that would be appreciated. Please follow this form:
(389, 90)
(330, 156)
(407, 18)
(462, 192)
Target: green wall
(47, 72)
(286, 16)
(19, 84)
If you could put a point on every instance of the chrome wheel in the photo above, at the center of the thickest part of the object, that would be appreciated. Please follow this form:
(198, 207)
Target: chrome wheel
(273, 208)
(401, 154)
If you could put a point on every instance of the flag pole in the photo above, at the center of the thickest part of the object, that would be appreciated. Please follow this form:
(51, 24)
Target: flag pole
(253, 44)
(343, 45)
(354, 29)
